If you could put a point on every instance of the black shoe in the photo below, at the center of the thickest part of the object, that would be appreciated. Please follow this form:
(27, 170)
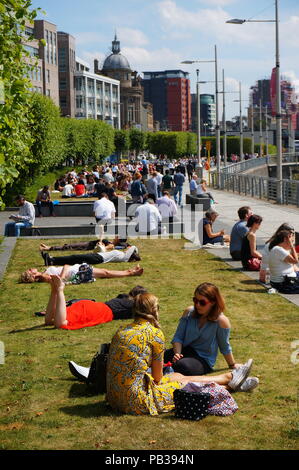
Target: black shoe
(47, 258)
(79, 372)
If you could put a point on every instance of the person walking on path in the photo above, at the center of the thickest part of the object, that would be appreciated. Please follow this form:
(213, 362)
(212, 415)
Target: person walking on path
(179, 180)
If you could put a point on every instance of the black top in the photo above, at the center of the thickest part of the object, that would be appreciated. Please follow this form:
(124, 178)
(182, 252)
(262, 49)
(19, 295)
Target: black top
(121, 307)
(245, 252)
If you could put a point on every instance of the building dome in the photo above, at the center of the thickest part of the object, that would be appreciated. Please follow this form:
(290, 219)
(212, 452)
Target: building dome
(116, 61)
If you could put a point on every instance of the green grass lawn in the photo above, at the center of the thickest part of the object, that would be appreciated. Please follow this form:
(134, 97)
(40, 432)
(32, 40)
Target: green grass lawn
(43, 407)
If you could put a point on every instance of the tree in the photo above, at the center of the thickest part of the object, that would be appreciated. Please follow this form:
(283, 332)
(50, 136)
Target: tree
(137, 140)
(48, 132)
(121, 141)
(15, 119)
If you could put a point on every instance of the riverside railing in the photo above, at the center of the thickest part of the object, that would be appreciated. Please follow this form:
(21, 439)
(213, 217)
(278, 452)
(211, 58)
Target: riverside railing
(232, 179)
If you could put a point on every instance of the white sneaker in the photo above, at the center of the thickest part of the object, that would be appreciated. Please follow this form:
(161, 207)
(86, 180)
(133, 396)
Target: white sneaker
(249, 384)
(240, 375)
(79, 372)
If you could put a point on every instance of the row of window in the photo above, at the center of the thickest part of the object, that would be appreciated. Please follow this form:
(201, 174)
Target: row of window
(51, 47)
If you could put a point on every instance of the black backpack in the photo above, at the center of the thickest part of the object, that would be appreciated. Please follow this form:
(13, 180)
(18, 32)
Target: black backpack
(97, 373)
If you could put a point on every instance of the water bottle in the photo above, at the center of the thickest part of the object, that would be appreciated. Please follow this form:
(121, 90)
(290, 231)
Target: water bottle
(267, 277)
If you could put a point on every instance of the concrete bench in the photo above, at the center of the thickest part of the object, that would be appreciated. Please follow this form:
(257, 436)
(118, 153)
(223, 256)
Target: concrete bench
(194, 201)
(82, 209)
(124, 230)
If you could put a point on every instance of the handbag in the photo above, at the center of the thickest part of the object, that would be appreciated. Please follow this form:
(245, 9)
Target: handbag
(98, 368)
(191, 405)
(253, 264)
(221, 401)
(84, 274)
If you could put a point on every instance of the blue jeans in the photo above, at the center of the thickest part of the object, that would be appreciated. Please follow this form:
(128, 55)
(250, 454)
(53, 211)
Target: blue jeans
(12, 229)
(178, 189)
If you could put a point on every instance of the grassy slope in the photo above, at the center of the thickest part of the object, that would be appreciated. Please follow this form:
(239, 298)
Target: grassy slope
(42, 407)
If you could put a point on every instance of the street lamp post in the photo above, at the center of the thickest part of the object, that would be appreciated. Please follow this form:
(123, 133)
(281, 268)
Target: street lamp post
(241, 125)
(278, 97)
(252, 130)
(217, 127)
(198, 118)
(261, 130)
(224, 122)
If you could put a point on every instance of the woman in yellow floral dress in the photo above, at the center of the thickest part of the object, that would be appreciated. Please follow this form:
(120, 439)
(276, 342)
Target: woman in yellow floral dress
(135, 382)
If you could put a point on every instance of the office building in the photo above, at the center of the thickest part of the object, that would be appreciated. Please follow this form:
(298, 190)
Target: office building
(49, 57)
(96, 96)
(207, 113)
(32, 47)
(66, 73)
(169, 93)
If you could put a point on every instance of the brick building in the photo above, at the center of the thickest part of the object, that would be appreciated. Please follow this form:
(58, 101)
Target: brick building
(169, 93)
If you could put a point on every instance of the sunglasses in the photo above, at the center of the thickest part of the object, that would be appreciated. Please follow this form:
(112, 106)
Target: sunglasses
(201, 302)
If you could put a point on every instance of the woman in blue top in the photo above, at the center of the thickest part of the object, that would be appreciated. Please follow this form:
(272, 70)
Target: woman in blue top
(202, 329)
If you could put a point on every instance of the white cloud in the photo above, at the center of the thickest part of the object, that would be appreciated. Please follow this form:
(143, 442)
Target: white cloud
(89, 57)
(212, 22)
(83, 39)
(142, 59)
(292, 77)
(132, 37)
(218, 3)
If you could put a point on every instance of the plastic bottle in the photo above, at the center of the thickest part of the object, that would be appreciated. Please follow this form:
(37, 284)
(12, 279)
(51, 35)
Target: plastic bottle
(267, 277)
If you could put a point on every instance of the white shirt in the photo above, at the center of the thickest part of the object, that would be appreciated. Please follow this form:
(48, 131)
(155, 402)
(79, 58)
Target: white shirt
(108, 177)
(104, 209)
(148, 217)
(265, 257)
(57, 270)
(158, 178)
(118, 256)
(68, 190)
(167, 207)
(277, 266)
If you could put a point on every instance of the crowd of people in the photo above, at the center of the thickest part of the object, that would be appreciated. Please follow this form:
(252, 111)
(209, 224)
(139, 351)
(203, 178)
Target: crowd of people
(137, 381)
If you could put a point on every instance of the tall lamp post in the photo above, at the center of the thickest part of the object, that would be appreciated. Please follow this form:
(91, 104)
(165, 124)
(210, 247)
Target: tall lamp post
(217, 127)
(224, 121)
(198, 118)
(278, 97)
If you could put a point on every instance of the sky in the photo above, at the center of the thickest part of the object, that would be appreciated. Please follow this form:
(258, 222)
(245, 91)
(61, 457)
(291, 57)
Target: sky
(159, 34)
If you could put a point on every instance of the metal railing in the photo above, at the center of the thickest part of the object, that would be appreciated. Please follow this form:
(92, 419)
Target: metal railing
(231, 179)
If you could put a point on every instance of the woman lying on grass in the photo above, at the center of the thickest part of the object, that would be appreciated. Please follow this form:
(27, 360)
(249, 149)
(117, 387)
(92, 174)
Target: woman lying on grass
(68, 273)
(85, 313)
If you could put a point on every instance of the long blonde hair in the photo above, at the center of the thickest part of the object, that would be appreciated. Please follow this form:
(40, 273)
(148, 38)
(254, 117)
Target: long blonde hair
(146, 306)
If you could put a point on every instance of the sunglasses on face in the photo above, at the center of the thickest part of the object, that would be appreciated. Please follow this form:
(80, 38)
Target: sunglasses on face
(201, 302)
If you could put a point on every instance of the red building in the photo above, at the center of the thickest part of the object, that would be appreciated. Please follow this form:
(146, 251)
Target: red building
(169, 93)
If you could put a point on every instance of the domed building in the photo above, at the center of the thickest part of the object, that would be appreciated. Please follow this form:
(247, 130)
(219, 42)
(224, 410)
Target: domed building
(116, 66)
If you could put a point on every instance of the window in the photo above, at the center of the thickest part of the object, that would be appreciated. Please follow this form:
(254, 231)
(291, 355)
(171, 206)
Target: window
(48, 93)
(33, 51)
(62, 101)
(48, 76)
(62, 84)
(29, 31)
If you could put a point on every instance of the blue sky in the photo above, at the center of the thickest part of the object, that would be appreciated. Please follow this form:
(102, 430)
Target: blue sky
(159, 34)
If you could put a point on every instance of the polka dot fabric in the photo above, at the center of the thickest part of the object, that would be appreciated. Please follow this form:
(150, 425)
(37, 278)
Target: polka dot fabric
(191, 405)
